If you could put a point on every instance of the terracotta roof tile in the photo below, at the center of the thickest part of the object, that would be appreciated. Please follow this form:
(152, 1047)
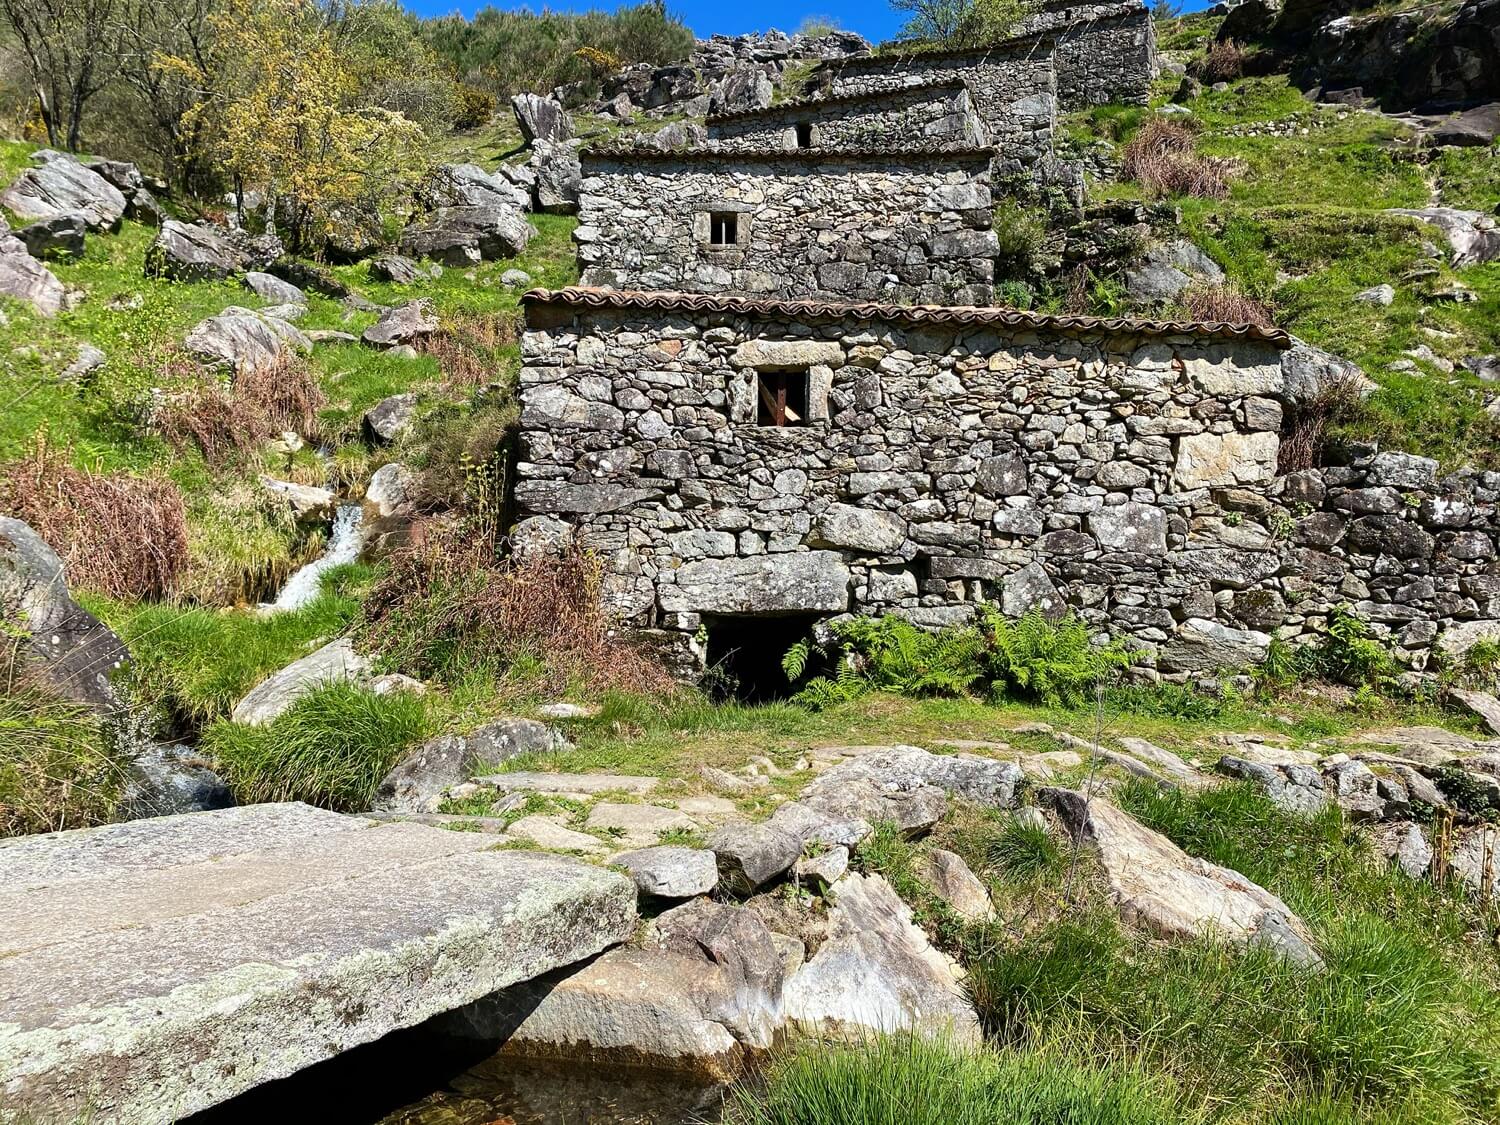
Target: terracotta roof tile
(581, 297)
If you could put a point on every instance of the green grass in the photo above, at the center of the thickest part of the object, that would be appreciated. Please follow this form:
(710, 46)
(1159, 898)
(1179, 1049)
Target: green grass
(330, 748)
(57, 770)
(911, 1081)
(192, 665)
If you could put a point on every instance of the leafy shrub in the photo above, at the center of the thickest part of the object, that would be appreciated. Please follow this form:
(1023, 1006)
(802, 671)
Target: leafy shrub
(449, 609)
(57, 770)
(119, 535)
(473, 107)
(330, 748)
(1162, 158)
(912, 1080)
(1020, 234)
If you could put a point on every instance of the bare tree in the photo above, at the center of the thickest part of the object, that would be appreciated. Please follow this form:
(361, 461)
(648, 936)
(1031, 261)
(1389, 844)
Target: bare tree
(70, 56)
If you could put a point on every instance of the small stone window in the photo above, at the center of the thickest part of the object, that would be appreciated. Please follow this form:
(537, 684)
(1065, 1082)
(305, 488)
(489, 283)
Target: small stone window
(723, 228)
(783, 398)
(804, 134)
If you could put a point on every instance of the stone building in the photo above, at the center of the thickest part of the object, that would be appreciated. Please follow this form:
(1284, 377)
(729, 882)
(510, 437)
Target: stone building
(745, 466)
(1104, 51)
(903, 226)
(1013, 87)
(937, 113)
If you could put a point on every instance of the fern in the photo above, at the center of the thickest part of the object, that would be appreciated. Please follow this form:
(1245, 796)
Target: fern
(1058, 664)
(794, 660)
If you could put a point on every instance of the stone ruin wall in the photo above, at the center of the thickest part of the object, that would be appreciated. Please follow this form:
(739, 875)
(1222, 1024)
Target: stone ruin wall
(902, 227)
(1014, 93)
(1106, 52)
(1129, 477)
(923, 115)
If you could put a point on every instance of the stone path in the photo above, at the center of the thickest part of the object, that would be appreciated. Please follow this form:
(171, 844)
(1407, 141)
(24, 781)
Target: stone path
(151, 969)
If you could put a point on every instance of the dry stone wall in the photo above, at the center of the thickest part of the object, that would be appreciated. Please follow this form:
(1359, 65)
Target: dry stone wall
(922, 115)
(1014, 90)
(1105, 52)
(865, 225)
(1121, 469)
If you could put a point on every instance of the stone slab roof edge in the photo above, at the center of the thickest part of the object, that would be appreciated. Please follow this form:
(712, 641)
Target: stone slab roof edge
(1031, 41)
(709, 153)
(583, 298)
(819, 101)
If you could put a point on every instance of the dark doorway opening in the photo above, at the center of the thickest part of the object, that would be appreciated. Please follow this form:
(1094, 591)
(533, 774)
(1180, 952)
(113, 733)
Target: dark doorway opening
(804, 135)
(744, 656)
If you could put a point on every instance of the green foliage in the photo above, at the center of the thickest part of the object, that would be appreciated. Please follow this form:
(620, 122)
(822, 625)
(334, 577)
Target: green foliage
(1020, 234)
(918, 1081)
(1349, 652)
(330, 748)
(1022, 851)
(192, 665)
(1056, 663)
(473, 107)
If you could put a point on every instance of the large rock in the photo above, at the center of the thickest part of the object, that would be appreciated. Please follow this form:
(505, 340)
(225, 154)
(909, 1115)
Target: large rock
(461, 236)
(61, 186)
(867, 530)
(70, 648)
(1473, 236)
(26, 279)
(391, 418)
(1309, 373)
(419, 781)
(950, 879)
(274, 289)
(401, 325)
(670, 872)
(1170, 268)
(1155, 884)
(244, 340)
(541, 118)
(468, 185)
(904, 769)
(252, 943)
(193, 252)
(801, 582)
(61, 236)
(559, 176)
(334, 662)
(751, 855)
(877, 973)
(743, 89)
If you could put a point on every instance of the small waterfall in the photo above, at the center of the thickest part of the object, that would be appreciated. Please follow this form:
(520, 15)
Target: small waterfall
(344, 545)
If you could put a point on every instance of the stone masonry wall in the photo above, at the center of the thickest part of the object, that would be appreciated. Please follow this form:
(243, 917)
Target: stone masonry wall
(922, 115)
(904, 226)
(1014, 92)
(1128, 476)
(1106, 52)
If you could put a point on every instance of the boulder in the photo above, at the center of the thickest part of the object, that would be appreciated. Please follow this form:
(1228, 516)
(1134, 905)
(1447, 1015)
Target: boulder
(462, 236)
(1473, 236)
(308, 503)
(1168, 270)
(515, 279)
(1309, 373)
(1382, 295)
(193, 252)
(274, 289)
(69, 648)
(1294, 787)
(396, 269)
(559, 176)
(823, 869)
(751, 855)
(541, 118)
(60, 186)
(60, 236)
(1458, 639)
(948, 876)
(419, 781)
(904, 769)
(742, 89)
(124, 175)
(1482, 704)
(1475, 861)
(26, 279)
(401, 325)
(332, 663)
(468, 185)
(670, 872)
(244, 340)
(1405, 845)
(390, 491)
(88, 360)
(391, 418)
(1155, 884)
(876, 973)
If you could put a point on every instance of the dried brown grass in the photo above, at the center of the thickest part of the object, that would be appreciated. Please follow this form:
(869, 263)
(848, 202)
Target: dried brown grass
(119, 535)
(449, 608)
(1226, 304)
(1304, 430)
(1224, 62)
(467, 348)
(229, 422)
(1162, 158)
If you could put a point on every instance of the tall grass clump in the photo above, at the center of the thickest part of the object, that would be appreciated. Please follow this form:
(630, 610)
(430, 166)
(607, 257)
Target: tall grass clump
(330, 748)
(449, 610)
(1162, 157)
(119, 535)
(228, 422)
(909, 1080)
(1225, 304)
(57, 770)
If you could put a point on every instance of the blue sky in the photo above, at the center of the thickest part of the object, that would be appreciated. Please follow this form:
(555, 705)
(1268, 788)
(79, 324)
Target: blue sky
(871, 18)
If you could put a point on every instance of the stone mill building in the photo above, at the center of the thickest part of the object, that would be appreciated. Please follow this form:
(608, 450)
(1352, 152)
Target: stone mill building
(782, 394)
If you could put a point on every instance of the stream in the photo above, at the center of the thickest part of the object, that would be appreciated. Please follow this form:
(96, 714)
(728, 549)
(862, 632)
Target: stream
(345, 542)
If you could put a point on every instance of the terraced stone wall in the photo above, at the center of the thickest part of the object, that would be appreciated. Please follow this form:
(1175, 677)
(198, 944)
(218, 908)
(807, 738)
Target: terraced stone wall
(1105, 52)
(875, 225)
(923, 115)
(1129, 477)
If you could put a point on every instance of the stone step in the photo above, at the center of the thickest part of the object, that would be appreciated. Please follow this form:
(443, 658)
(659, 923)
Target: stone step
(203, 955)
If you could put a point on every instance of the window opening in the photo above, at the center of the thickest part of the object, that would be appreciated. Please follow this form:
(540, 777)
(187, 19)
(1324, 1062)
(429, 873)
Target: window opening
(804, 135)
(723, 229)
(783, 398)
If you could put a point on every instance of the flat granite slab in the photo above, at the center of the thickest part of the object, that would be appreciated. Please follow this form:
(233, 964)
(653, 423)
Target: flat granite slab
(152, 969)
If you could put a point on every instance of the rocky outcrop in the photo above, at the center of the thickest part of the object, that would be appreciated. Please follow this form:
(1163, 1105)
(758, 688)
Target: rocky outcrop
(244, 340)
(1472, 236)
(25, 278)
(419, 782)
(1155, 884)
(541, 119)
(61, 186)
(464, 236)
(193, 252)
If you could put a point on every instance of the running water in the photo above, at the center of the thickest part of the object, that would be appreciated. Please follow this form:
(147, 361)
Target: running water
(344, 545)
